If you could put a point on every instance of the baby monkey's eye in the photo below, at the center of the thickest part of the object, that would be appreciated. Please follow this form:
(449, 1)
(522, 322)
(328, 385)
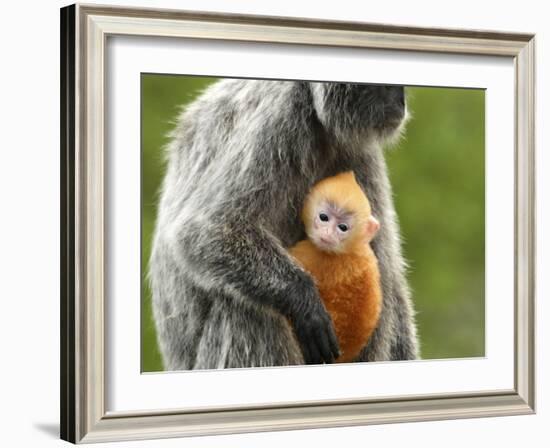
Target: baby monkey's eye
(343, 227)
(323, 217)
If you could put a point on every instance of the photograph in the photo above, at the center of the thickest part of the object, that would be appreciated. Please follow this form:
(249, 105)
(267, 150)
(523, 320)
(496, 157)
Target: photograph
(298, 222)
(275, 224)
(286, 223)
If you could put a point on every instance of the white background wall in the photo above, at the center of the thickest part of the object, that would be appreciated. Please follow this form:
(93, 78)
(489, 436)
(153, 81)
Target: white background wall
(29, 235)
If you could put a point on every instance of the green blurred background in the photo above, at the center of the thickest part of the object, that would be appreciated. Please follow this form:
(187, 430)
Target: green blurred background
(438, 177)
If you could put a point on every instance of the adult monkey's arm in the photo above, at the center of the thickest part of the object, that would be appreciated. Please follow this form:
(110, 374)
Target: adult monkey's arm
(244, 260)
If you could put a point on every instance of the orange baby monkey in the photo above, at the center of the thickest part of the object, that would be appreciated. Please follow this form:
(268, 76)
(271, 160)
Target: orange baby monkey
(339, 226)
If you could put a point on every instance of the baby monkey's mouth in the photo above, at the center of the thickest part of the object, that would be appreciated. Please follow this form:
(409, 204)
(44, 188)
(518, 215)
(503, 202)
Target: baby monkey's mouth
(326, 241)
(326, 244)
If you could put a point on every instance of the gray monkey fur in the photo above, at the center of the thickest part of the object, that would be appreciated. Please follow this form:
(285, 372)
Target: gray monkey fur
(241, 160)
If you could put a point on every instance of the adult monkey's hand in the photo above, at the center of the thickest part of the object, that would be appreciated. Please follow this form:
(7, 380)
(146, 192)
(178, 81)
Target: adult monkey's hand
(315, 332)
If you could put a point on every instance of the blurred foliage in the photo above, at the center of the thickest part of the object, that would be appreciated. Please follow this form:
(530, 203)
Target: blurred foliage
(438, 177)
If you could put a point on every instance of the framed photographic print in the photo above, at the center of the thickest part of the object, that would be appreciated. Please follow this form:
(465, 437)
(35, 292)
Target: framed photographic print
(268, 223)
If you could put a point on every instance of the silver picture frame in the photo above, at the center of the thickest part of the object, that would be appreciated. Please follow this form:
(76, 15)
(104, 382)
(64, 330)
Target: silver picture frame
(84, 32)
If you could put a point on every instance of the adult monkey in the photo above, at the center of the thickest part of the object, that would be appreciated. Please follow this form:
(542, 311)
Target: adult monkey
(242, 159)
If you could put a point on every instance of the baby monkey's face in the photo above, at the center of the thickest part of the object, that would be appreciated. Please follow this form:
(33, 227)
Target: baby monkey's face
(332, 228)
(335, 229)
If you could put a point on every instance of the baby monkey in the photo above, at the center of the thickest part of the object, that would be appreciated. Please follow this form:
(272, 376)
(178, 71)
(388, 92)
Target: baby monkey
(339, 226)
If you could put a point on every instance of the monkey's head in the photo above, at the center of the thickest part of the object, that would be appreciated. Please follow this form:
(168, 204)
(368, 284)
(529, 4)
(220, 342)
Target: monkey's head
(360, 111)
(337, 215)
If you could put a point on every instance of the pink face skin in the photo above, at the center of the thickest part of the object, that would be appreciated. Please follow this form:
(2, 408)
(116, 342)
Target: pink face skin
(333, 228)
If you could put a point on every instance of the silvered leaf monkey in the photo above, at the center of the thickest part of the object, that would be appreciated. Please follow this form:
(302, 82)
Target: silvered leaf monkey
(339, 226)
(243, 156)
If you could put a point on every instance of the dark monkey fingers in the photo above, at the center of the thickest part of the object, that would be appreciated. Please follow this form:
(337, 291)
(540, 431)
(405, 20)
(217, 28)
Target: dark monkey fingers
(315, 333)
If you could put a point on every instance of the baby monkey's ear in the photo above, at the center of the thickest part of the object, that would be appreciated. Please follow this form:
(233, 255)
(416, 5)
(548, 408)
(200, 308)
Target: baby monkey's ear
(371, 228)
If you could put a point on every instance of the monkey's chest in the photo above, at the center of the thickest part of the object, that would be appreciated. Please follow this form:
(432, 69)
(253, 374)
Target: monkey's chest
(353, 303)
